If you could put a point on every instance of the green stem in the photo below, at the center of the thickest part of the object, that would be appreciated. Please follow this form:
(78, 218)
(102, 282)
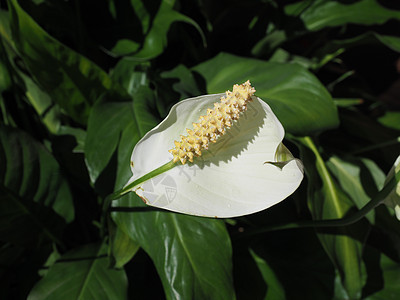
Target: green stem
(377, 146)
(129, 187)
(374, 202)
(118, 194)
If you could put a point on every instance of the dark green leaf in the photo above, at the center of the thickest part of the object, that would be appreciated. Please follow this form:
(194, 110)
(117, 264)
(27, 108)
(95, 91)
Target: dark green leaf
(70, 79)
(323, 13)
(106, 123)
(299, 100)
(82, 274)
(117, 126)
(33, 190)
(192, 254)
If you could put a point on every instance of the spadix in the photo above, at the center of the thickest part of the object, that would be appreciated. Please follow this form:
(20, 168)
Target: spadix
(244, 170)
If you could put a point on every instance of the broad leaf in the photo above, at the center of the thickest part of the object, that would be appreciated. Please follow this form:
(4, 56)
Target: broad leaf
(192, 255)
(83, 273)
(70, 79)
(33, 190)
(106, 123)
(323, 13)
(298, 99)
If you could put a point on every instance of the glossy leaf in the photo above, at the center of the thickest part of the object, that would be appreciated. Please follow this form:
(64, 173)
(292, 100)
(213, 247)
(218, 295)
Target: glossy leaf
(83, 273)
(33, 190)
(298, 99)
(72, 81)
(192, 255)
(322, 13)
(328, 201)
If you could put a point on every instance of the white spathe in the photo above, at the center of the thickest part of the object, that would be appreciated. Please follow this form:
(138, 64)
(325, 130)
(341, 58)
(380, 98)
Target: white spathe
(232, 178)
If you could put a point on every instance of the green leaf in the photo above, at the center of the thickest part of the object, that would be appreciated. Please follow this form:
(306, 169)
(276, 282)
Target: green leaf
(361, 179)
(117, 126)
(192, 255)
(82, 273)
(275, 290)
(106, 123)
(155, 39)
(322, 13)
(33, 190)
(299, 100)
(71, 80)
(391, 119)
(328, 201)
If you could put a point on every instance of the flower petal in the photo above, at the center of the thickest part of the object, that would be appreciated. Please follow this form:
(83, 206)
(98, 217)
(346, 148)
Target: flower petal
(231, 178)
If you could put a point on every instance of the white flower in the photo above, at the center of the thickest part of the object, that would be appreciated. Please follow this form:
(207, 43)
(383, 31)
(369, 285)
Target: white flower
(245, 168)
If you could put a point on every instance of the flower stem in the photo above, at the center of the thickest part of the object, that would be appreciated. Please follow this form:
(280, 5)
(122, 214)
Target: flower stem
(118, 194)
(155, 172)
(374, 202)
